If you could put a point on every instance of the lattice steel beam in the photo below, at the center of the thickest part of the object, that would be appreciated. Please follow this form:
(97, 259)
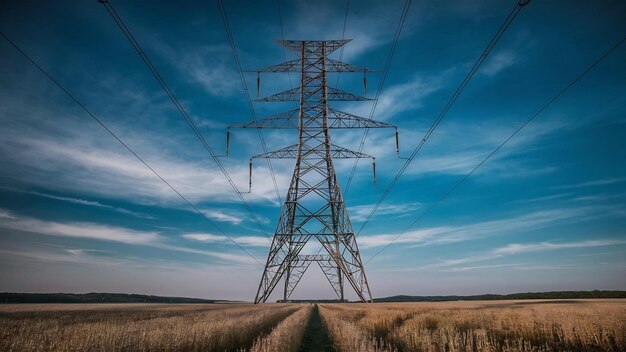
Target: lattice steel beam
(314, 206)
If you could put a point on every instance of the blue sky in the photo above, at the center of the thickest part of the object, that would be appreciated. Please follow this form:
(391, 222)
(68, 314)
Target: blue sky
(78, 213)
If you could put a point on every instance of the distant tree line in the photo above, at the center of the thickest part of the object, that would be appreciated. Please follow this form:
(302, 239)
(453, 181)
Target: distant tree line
(93, 297)
(526, 295)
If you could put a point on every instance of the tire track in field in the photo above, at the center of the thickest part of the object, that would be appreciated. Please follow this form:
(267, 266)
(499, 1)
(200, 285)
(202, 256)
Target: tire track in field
(316, 338)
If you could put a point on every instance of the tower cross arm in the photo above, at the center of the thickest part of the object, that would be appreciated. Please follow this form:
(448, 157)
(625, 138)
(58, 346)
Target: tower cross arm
(331, 66)
(289, 66)
(339, 66)
(288, 95)
(333, 94)
(281, 120)
(288, 152)
(291, 152)
(338, 152)
(290, 120)
(341, 119)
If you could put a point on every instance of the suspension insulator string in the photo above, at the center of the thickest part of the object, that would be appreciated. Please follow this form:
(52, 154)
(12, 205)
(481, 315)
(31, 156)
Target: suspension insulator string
(397, 143)
(227, 141)
(250, 177)
(364, 84)
(374, 170)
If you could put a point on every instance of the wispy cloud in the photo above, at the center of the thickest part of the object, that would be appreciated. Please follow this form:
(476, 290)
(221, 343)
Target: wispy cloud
(91, 257)
(6, 215)
(513, 266)
(407, 96)
(465, 232)
(221, 215)
(516, 248)
(85, 166)
(82, 230)
(72, 255)
(544, 198)
(360, 212)
(519, 248)
(415, 236)
(499, 62)
(459, 147)
(61, 150)
(108, 233)
(481, 267)
(243, 240)
(93, 204)
(599, 182)
(209, 66)
(368, 29)
(402, 97)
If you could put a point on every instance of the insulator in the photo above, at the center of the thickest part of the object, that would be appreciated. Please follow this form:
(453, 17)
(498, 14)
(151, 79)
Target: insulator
(397, 143)
(250, 177)
(364, 84)
(374, 170)
(258, 84)
(227, 141)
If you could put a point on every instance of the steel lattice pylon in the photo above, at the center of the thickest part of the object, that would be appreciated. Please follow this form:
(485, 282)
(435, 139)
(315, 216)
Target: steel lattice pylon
(314, 206)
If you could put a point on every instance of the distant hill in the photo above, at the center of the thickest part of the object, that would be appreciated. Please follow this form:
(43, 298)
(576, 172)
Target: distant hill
(527, 295)
(98, 297)
(94, 297)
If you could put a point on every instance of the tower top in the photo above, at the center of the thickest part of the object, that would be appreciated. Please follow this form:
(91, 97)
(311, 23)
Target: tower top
(313, 45)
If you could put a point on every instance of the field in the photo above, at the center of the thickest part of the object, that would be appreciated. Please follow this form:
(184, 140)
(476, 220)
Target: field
(572, 325)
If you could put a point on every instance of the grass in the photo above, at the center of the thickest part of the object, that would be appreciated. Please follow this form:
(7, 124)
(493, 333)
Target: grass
(136, 327)
(490, 326)
(286, 336)
(579, 325)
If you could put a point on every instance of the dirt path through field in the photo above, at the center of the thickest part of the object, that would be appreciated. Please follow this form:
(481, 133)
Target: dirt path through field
(316, 337)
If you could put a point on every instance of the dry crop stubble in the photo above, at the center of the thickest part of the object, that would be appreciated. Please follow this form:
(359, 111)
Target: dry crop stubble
(286, 336)
(575, 325)
(580, 325)
(124, 327)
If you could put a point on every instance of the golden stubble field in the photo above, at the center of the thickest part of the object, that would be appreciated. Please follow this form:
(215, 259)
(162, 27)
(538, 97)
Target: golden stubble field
(573, 325)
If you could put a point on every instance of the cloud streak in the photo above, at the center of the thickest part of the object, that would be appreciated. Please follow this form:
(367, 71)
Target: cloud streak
(360, 212)
(516, 248)
(520, 248)
(459, 233)
(222, 216)
(107, 233)
(255, 241)
(499, 62)
(83, 165)
(599, 182)
(92, 203)
(80, 230)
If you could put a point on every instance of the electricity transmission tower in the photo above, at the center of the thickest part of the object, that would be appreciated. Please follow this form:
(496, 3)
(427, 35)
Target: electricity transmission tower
(314, 206)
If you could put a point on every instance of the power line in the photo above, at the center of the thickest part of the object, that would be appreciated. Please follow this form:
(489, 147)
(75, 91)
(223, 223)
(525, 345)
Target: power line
(233, 47)
(541, 110)
(405, 11)
(343, 36)
(505, 25)
(179, 107)
(73, 98)
(282, 36)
